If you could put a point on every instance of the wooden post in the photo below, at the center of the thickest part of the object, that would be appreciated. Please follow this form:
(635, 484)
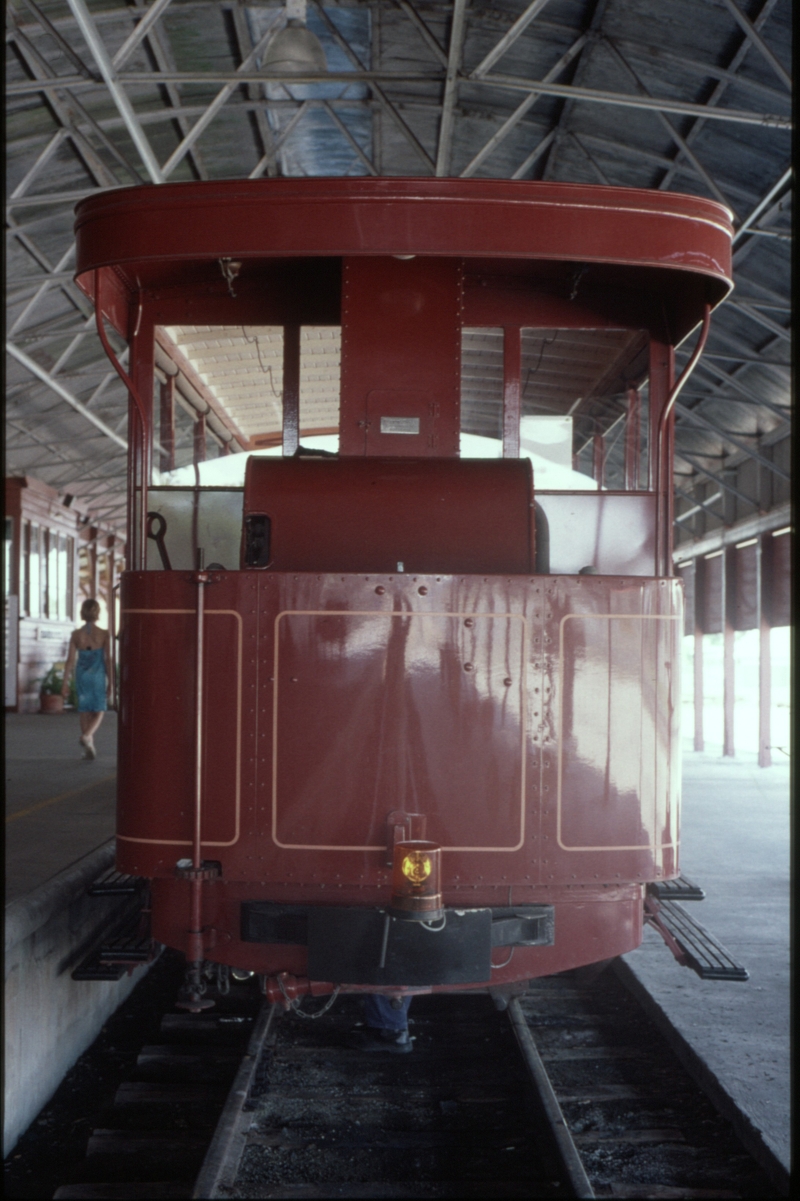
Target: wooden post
(764, 584)
(512, 398)
(291, 389)
(698, 621)
(167, 430)
(729, 629)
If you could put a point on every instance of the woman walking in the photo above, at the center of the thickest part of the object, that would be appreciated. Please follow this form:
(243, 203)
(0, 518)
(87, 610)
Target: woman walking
(90, 657)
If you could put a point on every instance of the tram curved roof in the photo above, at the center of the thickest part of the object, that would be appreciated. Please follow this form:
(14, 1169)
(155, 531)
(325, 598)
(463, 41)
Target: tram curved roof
(687, 97)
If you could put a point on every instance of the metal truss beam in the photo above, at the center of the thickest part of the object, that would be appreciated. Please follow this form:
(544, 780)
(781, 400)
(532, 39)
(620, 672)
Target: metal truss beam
(162, 54)
(592, 31)
(764, 205)
(373, 78)
(753, 36)
(517, 29)
(109, 73)
(244, 44)
(40, 373)
(679, 141)
(535, 154)
(512, 83)
(65, 109)
(727, 378)
(202, 123)
(425, 33)
(148, 18)
(511, 122)
(698, 505)
(351, 141)
(656, 56)
(718, 93)
(760, 319)
(717, 479)
(447, 121)
(699, 419)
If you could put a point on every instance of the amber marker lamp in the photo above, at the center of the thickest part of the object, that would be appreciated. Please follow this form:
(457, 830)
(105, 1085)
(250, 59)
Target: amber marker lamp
(417, 882)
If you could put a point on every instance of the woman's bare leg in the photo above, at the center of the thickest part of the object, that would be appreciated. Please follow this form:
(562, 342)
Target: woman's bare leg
(92, 724)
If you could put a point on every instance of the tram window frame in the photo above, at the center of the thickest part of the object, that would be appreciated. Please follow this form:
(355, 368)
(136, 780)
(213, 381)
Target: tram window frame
(34, 571)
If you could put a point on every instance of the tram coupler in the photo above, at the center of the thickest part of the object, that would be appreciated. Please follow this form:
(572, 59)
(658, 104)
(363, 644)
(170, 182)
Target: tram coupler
(284, 989)
(192, 992)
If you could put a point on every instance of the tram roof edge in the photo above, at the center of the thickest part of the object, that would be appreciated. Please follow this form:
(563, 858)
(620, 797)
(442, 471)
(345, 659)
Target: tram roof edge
(135, 229)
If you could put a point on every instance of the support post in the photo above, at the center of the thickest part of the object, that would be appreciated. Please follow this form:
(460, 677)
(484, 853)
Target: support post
(729, 628)
(598, 458)
(167, 430)
(512, 399)
(698, 619)
(632, 439)
(200, 439)
(764, 583)
(291, 389)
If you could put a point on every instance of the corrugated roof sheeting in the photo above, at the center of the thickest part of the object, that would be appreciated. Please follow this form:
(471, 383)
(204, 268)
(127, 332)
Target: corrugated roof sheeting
(72, 137)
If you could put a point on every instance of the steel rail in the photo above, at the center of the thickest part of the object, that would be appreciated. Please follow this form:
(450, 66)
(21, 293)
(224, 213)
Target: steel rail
(566, 1151)
(227, 1144)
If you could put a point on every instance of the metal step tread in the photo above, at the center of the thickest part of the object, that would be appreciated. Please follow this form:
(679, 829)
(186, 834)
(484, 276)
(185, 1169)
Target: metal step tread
(114, 884)
(130, 941)
(682, 889)
(706, 954)
(127, 943)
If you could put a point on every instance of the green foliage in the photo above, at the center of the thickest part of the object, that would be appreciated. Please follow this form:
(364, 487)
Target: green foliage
(52, 683)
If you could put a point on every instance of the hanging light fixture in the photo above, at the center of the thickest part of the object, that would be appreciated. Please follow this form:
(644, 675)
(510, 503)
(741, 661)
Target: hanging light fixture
(295, 50)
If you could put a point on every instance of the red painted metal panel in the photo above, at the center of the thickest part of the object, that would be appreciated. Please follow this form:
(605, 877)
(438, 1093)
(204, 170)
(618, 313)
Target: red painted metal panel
(441, 515)
(384, 216)
(401, 348)
(473, 700)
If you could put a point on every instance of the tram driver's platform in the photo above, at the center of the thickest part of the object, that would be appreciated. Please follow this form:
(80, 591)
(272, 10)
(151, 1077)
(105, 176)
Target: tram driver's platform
(735, 1036)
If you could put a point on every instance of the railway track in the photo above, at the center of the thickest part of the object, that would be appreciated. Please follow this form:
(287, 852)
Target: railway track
(570, 1092)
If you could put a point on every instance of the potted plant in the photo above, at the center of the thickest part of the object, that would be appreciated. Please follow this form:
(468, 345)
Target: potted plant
(50, 685)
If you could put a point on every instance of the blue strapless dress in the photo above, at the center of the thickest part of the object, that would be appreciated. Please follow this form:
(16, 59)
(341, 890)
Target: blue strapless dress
(90, 681)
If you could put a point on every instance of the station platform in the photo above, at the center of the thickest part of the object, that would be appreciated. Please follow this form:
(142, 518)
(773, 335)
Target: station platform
(59, 807)
(734, 1037)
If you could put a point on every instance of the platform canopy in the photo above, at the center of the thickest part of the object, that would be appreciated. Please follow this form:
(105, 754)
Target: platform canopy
(692, 96)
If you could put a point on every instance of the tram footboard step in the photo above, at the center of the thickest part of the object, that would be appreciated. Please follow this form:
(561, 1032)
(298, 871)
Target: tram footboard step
(115, 884)
(705, 954)
(682, 889)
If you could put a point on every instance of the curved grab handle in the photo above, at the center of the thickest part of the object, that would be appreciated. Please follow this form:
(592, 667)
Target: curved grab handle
(662, 534)
(156, 529)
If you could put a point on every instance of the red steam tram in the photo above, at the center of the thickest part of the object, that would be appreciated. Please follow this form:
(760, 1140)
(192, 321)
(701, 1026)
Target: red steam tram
(418, 728)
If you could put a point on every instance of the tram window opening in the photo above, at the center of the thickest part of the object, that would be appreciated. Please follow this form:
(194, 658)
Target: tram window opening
(237, 373)
(582, 406)
(257, 538)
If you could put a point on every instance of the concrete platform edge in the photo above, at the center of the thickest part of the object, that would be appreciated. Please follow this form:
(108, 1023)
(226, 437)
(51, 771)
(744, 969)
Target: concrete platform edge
(24, 915)
(51, 1019)
(752, 1138)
